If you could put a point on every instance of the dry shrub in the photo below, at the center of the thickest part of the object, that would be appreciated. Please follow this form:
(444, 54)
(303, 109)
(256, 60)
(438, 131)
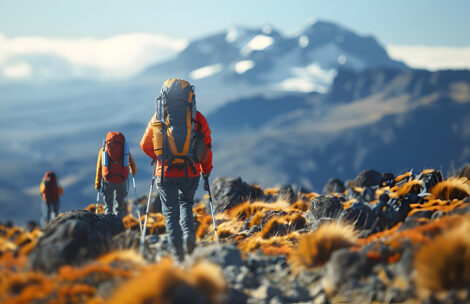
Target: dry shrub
(256, 241)
(452, 188)
(271, 191)
(27, 248)
(277, 250)
(247, 209)
(444, 263)
(315, 248)
(403, 176)
(25, 287)
(204, 225)
(296, 221)
(256, 219)
(164, 283)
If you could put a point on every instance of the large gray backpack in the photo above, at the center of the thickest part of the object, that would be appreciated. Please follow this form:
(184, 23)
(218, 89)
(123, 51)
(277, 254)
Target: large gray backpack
(175, 137)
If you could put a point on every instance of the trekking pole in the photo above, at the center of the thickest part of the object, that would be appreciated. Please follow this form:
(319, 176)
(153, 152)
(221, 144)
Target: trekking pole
(136, 202)
(142, 235)
(97, 201)
(206, 186)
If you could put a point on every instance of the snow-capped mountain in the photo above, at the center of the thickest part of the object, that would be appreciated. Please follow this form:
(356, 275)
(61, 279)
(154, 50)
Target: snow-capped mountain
(265, 58)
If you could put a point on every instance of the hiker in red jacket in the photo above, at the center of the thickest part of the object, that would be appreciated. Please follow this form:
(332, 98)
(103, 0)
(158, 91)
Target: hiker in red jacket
(179, 136)
(50, 192)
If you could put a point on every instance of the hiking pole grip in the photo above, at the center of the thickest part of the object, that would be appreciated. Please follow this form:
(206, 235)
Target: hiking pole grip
(142, 235)
(208, 189)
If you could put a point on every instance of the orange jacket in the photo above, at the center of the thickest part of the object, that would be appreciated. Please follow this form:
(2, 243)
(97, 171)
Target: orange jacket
(99, 168)
(147, 146)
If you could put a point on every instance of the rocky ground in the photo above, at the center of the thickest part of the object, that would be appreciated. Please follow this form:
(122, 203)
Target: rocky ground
(379, 238)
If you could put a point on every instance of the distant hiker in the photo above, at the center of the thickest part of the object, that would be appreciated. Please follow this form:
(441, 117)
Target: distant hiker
(180, 136)
(112, 170)
(51, 191)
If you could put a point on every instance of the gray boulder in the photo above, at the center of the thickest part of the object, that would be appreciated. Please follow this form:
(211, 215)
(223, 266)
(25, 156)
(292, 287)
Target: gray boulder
(230, 192)
(221, 254)
(333, 185)
(366, 178)
(74, 238)
(324, 207)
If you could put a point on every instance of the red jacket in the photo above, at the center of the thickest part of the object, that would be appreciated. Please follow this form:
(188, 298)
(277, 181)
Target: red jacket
(147, 146)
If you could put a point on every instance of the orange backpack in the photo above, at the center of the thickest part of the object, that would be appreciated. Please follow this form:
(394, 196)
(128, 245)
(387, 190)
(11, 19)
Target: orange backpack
(51, 193)
(115, 158)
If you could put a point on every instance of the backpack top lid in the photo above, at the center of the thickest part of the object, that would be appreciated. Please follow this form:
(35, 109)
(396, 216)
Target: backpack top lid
(177, 89)
(49, 176)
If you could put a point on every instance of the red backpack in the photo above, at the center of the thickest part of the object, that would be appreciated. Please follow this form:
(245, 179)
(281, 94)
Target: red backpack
(51, 193)
(115, 158)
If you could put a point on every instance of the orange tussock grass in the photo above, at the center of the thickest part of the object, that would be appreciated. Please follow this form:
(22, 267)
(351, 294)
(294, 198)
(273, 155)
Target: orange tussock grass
(437, 205)
(452, 188)
(247, 209)
(256, 219)
(309, 196)
(256, 241)
(164, 283)
(315, 248)
(27, 248)
(127, 256)
(75, 293)
(14, 232)
(200, 209)
(300, 206)
(271, 191)
(92, 208)
(274, 227)
(25, 287)
(403, 176)
(277, 250)
(6, 245)
(203, 228)
(419, 234)
(444, 263)
(8, 261)
(129, 221)
(158, 228)
(410, 186)
(98, 271)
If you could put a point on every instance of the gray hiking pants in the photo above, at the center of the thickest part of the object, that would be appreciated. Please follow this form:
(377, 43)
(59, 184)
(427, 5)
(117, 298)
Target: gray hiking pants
(113, 196)
(177, 196)
(52, 210)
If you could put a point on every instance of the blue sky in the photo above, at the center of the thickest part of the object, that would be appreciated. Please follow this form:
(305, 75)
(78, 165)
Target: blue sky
(416, 22)
(118, 38)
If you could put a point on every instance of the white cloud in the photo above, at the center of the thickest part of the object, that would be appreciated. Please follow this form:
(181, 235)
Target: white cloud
(431, 57)
(115, 57)
(17, 70)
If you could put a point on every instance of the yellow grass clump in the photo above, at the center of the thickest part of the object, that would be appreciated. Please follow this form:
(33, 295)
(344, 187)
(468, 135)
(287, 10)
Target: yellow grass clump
(452, 188)
(444, 263)
(314, 249)
(164, 283)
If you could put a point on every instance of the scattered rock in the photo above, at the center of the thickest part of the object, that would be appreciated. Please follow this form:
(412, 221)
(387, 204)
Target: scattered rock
(324, 207)
(333, 185)
(366, 178)
(74, 238)
(464, 171)
(221, 254)
(429, 180)
(266, 292)
(229, 192)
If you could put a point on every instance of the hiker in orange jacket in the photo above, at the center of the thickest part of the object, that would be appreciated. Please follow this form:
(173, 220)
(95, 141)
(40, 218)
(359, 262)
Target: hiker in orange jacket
(179, 181)
(112, 171)
(51, 191)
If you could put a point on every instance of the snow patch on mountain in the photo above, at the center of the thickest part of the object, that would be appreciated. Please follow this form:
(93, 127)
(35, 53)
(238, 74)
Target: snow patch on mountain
(258, 43)
(206, 71)
(243, 66)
